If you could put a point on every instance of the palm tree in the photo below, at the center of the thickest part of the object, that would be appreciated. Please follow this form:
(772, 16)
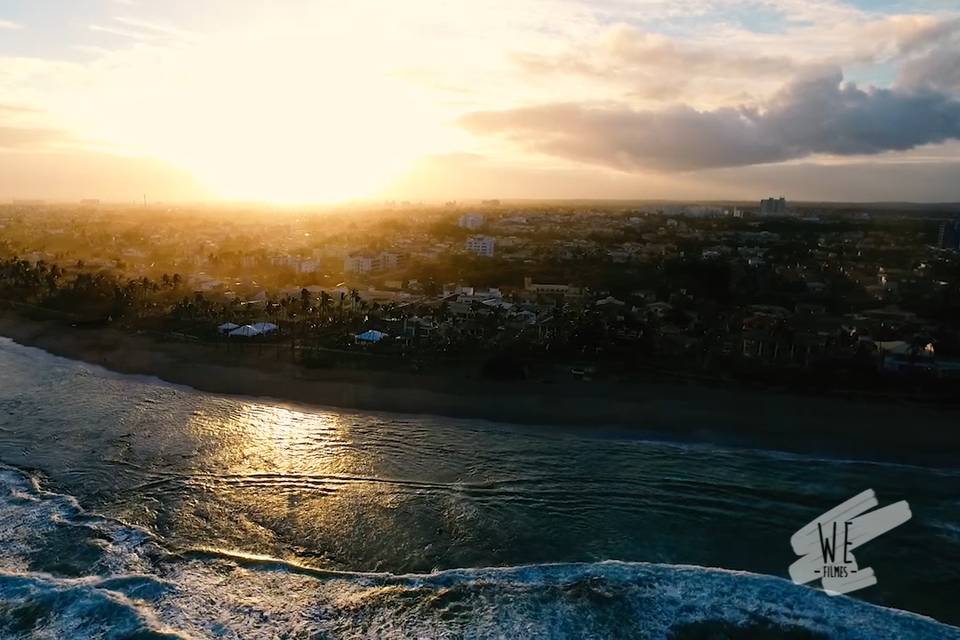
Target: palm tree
(354, 299)
(325, 301)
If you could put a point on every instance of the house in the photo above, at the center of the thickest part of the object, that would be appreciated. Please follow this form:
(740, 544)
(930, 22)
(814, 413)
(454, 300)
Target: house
(542, 288)
(370, 336)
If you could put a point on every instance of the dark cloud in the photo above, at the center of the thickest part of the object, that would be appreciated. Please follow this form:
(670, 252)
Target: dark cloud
(817, 113)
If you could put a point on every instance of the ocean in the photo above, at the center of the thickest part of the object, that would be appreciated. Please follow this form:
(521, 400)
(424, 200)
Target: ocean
(133, 508)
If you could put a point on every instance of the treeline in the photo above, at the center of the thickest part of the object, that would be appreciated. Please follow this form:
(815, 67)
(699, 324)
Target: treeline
(88, 296)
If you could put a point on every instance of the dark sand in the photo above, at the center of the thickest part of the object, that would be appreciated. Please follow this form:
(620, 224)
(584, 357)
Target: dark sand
(889, 429)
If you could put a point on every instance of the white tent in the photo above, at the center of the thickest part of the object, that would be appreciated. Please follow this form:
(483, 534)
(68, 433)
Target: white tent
(371, 335)
(246, 331)
(226, 327)
(265, 327)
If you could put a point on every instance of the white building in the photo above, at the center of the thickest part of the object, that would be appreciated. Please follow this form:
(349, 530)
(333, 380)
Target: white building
(481, 245)
(366, 263)
(472, 221)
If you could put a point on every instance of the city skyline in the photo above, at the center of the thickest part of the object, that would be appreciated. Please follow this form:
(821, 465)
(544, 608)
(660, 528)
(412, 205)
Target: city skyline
(293, 103)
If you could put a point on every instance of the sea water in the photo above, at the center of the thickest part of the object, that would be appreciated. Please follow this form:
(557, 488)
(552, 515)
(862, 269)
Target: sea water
(132, 508)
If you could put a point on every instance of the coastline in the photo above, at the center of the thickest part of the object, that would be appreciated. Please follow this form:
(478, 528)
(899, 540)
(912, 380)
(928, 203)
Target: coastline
(896, 430)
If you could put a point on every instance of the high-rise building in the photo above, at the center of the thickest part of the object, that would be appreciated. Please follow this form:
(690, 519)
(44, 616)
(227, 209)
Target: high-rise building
(773, 206)
(949, 237)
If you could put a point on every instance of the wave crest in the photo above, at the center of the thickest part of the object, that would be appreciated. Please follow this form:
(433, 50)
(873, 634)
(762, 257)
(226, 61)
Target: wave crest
(68, 573)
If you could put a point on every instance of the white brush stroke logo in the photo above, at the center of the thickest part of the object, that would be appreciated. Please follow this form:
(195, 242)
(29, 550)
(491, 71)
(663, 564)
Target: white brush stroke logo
(825, 543)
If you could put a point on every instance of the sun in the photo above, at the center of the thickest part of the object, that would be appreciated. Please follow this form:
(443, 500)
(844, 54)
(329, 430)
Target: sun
(266, 117)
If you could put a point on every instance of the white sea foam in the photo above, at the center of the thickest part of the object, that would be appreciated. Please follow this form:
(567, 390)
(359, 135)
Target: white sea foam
(70, 574)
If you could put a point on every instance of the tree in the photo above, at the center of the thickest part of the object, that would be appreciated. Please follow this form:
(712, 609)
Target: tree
(325, 301)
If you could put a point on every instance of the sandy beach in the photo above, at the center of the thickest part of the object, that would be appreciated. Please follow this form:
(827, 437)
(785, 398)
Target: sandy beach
(681, 411)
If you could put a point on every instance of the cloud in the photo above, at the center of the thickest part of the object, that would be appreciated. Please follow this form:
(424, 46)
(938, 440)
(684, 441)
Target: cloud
(623, 50)
(936, 65)
(815, 114)
(72, 175)
(916, 33)
(147, 27)
(26, 138)
(729, 64)
(123, 32)
(24, 128)
(938, 71)
(643, 65)
(458, 176)
(15, 109)
(7, 24)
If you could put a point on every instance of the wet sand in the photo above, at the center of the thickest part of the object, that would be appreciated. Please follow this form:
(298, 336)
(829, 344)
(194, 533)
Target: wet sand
(889, 429)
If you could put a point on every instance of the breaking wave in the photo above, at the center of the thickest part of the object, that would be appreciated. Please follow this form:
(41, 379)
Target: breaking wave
(66, 573)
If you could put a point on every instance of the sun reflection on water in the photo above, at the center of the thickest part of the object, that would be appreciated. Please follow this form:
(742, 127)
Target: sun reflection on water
(279, 479)
(328, 490)
(254, 438)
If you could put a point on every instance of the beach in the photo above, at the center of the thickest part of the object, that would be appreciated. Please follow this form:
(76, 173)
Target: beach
(891, 429)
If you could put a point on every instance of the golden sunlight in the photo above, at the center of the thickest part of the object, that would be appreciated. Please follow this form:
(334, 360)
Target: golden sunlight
(270, 116)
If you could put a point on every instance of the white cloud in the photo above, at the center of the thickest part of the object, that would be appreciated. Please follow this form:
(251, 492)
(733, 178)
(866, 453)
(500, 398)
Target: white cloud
(7, 24)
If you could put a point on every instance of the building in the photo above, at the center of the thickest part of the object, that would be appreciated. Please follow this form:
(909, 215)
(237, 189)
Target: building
(359, 263)
(471, 221)
(542, 288)
(367, 263)
(481, 245)
(949, 237)
(773, 206)
(307, 266)
(389, 260)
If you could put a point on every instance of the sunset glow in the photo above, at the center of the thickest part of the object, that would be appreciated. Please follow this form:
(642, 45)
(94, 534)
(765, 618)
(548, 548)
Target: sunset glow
(315, 101)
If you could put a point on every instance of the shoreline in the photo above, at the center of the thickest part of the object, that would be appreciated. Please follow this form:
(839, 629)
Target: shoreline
(895, 430)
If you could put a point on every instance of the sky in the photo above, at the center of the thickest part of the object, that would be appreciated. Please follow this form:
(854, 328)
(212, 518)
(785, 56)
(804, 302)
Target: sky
(302, 101)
